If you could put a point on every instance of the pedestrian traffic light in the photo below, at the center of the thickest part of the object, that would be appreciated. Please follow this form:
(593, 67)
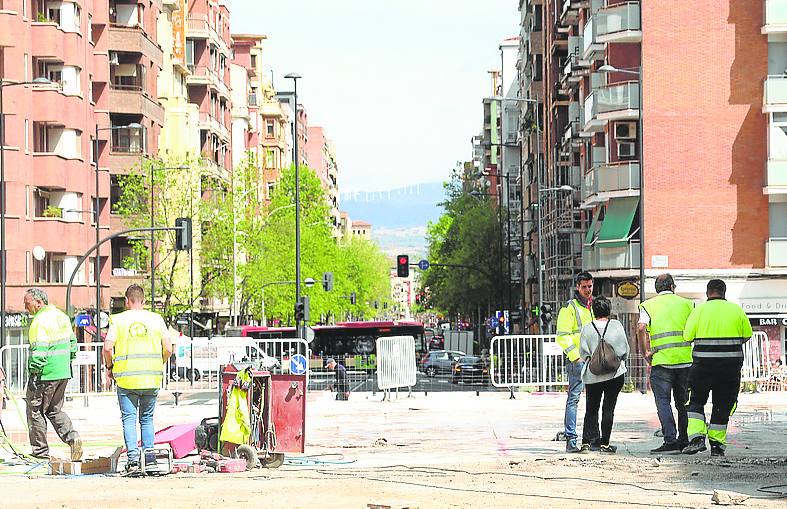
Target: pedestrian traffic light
(327, 281)
(546, 314)
(302, 313)
(534, 311)
(402, 265)
(183, 234)
(352, 298)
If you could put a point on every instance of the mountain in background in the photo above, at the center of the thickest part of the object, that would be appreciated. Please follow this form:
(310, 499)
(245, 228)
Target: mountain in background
(398, 216)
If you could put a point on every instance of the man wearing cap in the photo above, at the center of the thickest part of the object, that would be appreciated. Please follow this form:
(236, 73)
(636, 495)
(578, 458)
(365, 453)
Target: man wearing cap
(341, 387)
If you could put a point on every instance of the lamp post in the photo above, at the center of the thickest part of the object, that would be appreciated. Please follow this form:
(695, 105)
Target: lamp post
(152, 225)
(638, 73)
(295, 77)
(3, 84)
(564, 188)
(97, 260)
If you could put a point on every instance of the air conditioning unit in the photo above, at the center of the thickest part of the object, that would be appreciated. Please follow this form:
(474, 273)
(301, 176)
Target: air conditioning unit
(625, 130)
(626, 150)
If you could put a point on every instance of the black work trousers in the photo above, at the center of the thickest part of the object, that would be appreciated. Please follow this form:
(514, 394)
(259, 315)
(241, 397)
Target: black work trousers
(723, 378)
(609, 390)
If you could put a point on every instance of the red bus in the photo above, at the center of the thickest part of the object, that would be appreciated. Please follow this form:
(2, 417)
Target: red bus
(345, 338)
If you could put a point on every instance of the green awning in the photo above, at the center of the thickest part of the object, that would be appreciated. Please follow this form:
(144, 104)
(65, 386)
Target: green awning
(616, 226)
(590, 238)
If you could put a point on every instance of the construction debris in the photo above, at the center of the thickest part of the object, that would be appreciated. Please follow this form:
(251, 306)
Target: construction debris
(721, 497)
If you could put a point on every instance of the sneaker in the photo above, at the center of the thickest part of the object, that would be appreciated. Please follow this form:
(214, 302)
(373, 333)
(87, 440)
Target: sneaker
(585, 449)
(716, 450)
(571, 446)
(667, 448)
(696, 445)
(608, 449)
(132, 465)
(76, 449)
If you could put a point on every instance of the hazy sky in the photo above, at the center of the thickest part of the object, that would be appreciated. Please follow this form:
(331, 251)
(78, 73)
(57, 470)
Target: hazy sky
(397, 84)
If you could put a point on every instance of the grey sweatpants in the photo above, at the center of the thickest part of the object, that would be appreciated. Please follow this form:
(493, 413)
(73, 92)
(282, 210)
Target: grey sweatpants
(45, 399)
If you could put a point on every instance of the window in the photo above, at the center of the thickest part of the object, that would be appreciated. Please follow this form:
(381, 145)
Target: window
(24, 9)
(254, 61)
(27, 267)
(537, 68)
(26, 69)
(27, 202)
(270, 158)
(27, 136)
(41, 201)
(90, 28)
(190, 52)
(49, 270)
(537, 17)
(270, 128)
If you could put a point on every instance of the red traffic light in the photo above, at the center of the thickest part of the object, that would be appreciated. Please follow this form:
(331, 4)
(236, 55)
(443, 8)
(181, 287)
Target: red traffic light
(402, 266)
(403, 260)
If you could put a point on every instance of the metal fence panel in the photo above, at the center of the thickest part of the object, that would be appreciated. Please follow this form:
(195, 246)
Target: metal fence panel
(396, 362)
(527, 361)
(756, 359)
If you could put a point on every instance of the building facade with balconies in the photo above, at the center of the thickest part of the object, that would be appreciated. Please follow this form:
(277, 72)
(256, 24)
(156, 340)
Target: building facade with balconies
(47, 135)
(674, 134)
(321, 155)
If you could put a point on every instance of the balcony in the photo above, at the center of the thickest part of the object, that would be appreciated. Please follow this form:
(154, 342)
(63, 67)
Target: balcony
(776, 252)
(611, 258)
(569, 13)
(199, 27)
(605, 181)
(8, 27)
(617, 23)
(135, 102)
(776, 176)
(775, 94)
(775, 17)
(612, 102)
(50, 40)
(210, 123)
(134, 40)
(204, 75)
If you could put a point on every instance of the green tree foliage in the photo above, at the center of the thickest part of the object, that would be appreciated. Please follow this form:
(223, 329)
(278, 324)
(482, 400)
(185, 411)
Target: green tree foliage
(467, 235)
(175, 194)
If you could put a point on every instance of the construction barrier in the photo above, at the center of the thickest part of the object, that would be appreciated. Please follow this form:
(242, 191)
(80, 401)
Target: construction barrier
(396, 365)
(756, 359)
(527, 361)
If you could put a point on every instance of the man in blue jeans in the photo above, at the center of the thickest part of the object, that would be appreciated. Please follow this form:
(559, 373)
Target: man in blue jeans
(135, 350)
(576, 313)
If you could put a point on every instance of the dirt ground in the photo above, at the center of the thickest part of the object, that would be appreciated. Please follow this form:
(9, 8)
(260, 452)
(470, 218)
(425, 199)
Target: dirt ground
(440, 450)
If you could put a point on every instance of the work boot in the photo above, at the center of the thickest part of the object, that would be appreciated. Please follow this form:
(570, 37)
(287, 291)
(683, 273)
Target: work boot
(585, 449)
(716, 449)
(76, 449)
(132, 466)
(696, 445)
(571, 446)
(608, 449)
(667, 448)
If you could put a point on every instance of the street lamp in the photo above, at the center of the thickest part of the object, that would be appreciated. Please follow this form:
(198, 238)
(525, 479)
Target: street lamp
(295, 77)
(97, 260)
(607, 68)
(152, 224)
(3, 84)
(564, 189)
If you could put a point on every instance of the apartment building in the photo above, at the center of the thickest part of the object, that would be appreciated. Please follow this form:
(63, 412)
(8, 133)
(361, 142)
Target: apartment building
(671, 137)
(46, 131)
(321, 156)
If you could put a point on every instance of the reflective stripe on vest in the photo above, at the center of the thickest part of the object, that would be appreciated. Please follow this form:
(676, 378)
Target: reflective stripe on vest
(720, 348)
(668, 314)
(137, 358)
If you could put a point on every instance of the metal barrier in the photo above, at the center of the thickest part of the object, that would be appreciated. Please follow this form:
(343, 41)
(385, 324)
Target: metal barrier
(756, 359)
(527, 361)
(395, 362)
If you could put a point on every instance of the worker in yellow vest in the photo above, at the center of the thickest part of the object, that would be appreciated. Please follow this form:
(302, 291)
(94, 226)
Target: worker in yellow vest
(135, 350)
(719, 329)
(52, 347)
(576, 313)
(660, 331)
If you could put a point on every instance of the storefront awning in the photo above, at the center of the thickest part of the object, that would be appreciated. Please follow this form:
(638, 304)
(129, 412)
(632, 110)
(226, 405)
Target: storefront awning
(617, 222)
(590, 238)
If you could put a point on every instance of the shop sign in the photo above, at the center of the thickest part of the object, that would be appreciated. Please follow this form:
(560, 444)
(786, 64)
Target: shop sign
(628, 290)
(16, 320)
(765, 321)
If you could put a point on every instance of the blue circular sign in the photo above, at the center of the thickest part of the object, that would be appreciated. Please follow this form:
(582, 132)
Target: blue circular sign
(423, 264)
(298, 364)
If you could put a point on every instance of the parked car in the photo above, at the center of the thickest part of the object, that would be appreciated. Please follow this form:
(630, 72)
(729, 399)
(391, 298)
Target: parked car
(439, 361)
(470, 368)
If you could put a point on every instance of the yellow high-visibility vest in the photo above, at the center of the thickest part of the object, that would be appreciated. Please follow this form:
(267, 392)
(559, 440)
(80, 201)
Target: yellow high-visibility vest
(668, 314)
(569, 324)
(137, 357)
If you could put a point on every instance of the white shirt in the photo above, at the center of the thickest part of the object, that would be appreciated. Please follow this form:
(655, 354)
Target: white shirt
(644, 317)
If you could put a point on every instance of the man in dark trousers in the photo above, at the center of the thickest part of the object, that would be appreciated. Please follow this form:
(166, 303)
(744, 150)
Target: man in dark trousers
(341, 387)
(718, 329)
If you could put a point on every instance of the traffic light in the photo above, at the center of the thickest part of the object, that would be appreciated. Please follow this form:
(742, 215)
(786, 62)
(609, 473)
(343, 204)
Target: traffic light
(402, 266)
(352, 298)
(302, 313)
(327, 281)
(546, 314)
(534, 311)
(183, 234)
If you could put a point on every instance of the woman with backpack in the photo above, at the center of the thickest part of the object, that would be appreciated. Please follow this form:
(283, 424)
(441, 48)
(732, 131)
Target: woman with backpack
(604, 347)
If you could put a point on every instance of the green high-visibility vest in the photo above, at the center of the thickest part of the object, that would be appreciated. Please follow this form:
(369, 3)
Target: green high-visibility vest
(719, 329)
(137, 357)
(569, 324)
(668, 314)
(52, 344)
